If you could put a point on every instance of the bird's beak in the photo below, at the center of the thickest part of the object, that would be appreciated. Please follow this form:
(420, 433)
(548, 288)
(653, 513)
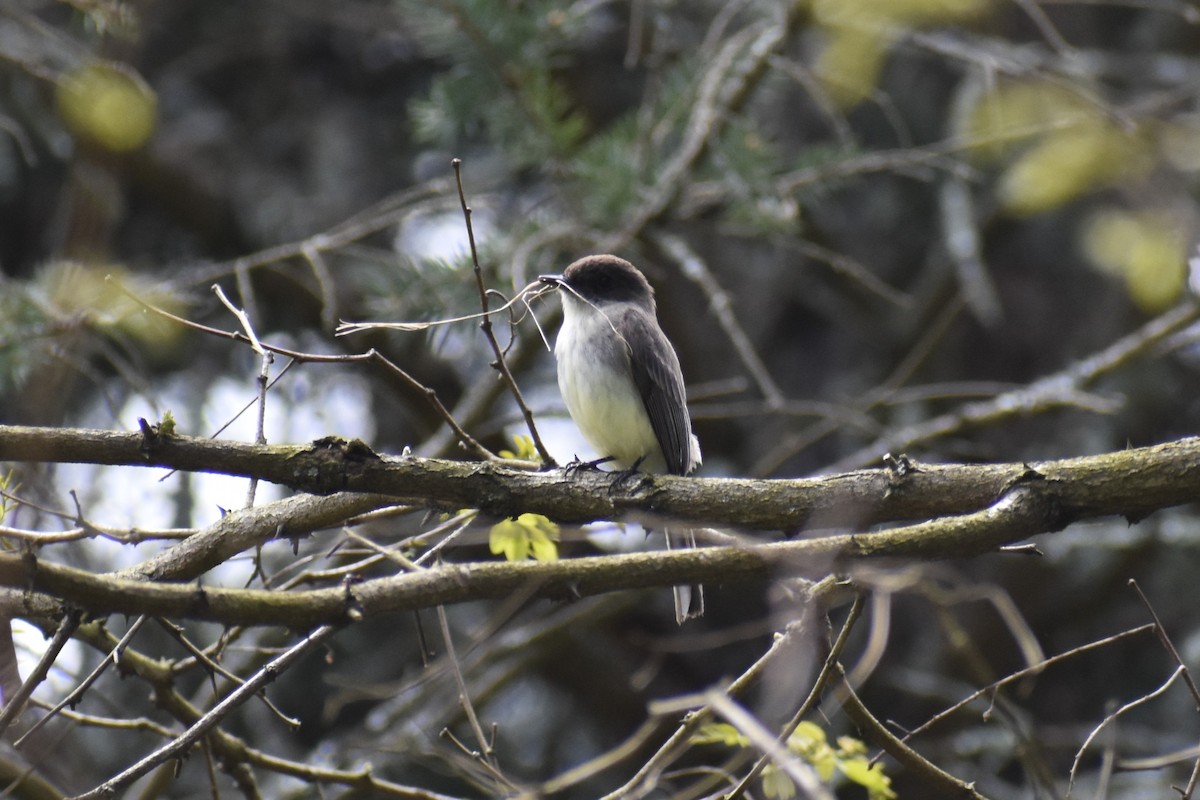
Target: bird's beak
(551, 280)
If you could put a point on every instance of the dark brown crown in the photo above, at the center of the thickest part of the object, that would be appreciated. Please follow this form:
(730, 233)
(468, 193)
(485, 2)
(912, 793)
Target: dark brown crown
(608, 278)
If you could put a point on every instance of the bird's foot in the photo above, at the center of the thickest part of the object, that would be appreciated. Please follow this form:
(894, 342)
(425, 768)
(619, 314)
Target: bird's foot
(575, 465)
(624, 476)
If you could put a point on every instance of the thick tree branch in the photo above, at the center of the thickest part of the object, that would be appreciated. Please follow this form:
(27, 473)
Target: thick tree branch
(1130, 483)
(1017, 501)
(1032, 507)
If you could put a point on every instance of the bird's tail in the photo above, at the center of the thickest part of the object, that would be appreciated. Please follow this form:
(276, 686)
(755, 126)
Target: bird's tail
(689, 599)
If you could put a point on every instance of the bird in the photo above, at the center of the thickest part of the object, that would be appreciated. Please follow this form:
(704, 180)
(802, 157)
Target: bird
(620, 379)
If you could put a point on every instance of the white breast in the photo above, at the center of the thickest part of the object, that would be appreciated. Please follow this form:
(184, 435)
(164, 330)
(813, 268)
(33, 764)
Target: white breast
(599, 390)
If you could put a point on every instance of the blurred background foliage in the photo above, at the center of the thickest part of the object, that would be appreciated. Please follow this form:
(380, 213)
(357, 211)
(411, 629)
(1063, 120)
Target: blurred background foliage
(859, 215)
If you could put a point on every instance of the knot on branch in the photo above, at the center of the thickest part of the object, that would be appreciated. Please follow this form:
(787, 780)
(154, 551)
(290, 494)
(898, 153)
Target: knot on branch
(328, 464)
(1033, 487)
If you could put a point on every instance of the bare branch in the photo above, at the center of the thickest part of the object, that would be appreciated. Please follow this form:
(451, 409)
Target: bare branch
(929, 772)
(1130, 483)
(184, 742)
(13, 705)
(501, 362)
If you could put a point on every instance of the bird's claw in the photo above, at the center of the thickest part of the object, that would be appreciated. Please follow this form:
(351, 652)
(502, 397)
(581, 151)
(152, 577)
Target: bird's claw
(575, 465)
(624, 476)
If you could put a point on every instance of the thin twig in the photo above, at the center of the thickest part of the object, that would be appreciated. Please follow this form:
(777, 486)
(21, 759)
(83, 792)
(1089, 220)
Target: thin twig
(485, 752)
(828, 670)
(72, 699)
(386, 213)
(325, 284)
(215, 669)
(264, 379)
(242, 317)
(819, 594)
(594, 766)
(1112, 718)
(922, 768)
(45, 537)
(960, 233)
(1193, 781)
(371, 355)
(733, 71)
(14, 704)
(184, 741)
(361, 780)
(1165, 639)
(234, 754)
(917, 354)
(1030, 670)
(114, 723)
(485, 325)
(1042, 22)
(524, 295)
(853, 271)
(127, 536)
(694, 269)
(260, 435)
(802, 774)
(1060, 389)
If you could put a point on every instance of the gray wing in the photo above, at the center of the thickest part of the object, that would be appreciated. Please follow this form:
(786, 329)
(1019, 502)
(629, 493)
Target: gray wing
(659, 380)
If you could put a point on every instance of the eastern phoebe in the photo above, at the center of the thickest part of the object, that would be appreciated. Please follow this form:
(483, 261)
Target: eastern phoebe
(621, 381)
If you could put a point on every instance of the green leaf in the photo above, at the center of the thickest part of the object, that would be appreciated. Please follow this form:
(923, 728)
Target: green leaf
(525, 451)
(719, 733)
(527, 535)
(6, 483)
(869, 776)
(848, 747)
(776, 783)
(809, 742)
(807, 734)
